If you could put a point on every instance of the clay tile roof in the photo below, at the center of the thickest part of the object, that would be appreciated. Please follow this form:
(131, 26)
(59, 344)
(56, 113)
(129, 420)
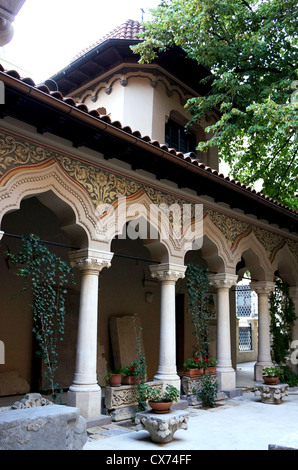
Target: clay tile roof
(128, 30)
(154, 143)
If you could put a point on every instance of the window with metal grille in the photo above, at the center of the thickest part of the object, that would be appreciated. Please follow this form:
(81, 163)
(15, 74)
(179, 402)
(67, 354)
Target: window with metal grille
(245, 338)
(243, 301)
(177, 138)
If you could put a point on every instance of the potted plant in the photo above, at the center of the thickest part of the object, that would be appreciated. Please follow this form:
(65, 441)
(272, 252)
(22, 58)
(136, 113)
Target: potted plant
(271, 375)
(130, 373)
(209, 365)
(159, 402)
(194, 367)
(114, 377)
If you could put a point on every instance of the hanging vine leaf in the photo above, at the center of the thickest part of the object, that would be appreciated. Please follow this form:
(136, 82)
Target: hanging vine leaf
(283, 316)
(197, 283)
(47, 276)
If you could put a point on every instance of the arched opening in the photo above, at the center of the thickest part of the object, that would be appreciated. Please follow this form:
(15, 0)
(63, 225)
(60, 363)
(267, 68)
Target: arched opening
(246, 337)
(129, 295)
(207, 258)
(253, 266)
(50, 218)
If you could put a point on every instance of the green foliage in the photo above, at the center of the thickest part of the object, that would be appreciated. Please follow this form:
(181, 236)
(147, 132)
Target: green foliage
(193, 363)
(208, 391)
(147, 393)
(48, 277)
(272, 371)
(199, 300)
(287, 376)
(131, 369)
(249, 51)
(140, 364)
(171, 393)
(283, 316)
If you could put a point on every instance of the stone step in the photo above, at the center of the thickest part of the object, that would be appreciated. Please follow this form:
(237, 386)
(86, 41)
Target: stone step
(101, 420)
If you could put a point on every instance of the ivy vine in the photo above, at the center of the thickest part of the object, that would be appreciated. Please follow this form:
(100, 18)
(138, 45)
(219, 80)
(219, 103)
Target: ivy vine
(47, 276)
(197, 284)
(283, 316)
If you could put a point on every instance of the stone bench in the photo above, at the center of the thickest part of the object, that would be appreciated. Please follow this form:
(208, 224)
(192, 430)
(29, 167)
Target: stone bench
(162, 427)
(271, 393)
(36, 424)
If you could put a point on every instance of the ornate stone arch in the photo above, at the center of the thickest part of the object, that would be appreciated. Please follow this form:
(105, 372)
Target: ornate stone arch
(285, 265)
(255, 257)
(222, 252)
(56, 190)
(164, 242)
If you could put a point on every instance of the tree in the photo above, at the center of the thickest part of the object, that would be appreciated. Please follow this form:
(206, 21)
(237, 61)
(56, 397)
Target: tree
(251, 50)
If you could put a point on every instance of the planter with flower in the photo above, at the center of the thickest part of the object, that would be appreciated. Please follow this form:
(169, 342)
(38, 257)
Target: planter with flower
(159, 402)
(114, 378)
(271, 375)
(130, 373)
(209, 365)
(194, 367)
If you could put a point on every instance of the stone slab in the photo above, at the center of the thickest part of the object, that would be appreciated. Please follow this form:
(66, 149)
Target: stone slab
(124, 330)
(125, 395)
(11, 383)
(288, 442)
(53, 427)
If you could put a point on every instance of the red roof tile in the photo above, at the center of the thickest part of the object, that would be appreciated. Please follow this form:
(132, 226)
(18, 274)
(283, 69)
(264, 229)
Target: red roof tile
(128, 30)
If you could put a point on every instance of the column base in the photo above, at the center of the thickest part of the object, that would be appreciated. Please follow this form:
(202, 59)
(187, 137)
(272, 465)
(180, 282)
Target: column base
(258, 369)
(226, 378)
(88, 402)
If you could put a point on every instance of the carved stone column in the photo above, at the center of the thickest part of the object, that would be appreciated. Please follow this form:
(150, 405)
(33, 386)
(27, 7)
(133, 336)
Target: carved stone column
(85, 393)
(168, 274)
(225, 373)
(263, 289)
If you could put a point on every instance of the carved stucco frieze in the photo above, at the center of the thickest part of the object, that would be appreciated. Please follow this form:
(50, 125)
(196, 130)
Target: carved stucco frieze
(104, 188)
(231, 228)
(234, 230)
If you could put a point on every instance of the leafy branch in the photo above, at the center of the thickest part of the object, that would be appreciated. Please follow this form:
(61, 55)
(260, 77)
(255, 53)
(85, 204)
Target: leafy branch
(48, 277)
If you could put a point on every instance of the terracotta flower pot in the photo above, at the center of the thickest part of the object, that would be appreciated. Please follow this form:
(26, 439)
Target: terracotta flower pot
(115, 380)
(270, 380)
(129, 380)
(194, 372)
(160, 407)
(211, 370)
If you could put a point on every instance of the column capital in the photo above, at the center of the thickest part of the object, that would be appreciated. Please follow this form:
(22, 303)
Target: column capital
(223, 280)
(90, 260)
(168, 271)
(262, 287)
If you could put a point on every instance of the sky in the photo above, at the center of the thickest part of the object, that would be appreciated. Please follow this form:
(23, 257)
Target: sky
(47, 35)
